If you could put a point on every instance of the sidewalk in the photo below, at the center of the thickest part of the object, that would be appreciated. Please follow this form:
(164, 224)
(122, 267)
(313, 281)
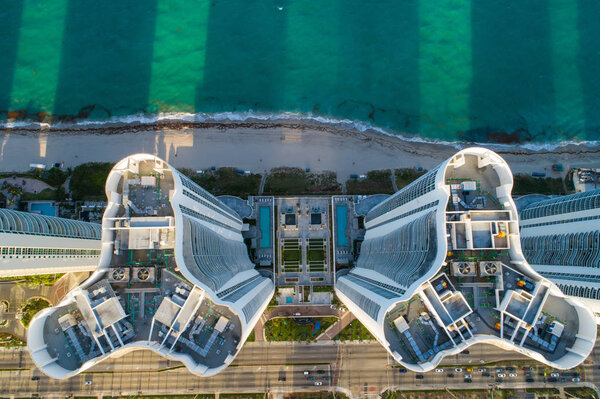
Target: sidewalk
(336, 328)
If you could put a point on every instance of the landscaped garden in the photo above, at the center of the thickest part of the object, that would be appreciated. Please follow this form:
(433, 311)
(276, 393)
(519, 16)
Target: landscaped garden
(407, 175)
(8, 341)
(355, 331)
(291, 329)
(295, 181)
(526, 184)
(31, 308)
(376, 182)
(226, 181)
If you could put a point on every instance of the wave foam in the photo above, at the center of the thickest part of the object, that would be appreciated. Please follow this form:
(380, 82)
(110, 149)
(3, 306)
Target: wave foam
(251, 116)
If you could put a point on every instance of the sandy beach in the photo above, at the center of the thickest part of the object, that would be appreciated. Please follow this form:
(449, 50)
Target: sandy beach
(259, 147)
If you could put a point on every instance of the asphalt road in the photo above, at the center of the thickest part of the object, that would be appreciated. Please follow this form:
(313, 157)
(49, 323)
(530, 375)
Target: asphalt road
(363, 368)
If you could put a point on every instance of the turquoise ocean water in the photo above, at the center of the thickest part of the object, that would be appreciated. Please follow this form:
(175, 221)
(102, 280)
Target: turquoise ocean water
(480, 70)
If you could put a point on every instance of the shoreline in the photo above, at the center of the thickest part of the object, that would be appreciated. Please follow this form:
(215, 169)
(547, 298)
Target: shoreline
(247, 119)
(260, 145)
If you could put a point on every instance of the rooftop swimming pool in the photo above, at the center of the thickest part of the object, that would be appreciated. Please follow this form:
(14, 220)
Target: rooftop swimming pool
(265, 227)
(341, 221)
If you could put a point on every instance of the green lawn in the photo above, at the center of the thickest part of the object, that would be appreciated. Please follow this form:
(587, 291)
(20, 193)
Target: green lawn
(355, 331)
(295, 181)
(316, 255)
(291, 255)
(31, 308)
(46, 194)
(376, 182)
(286, 329)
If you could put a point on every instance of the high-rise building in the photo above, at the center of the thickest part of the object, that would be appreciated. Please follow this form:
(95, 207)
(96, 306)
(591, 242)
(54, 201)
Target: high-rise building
(441, 268)
(560, 238)
(174, 276)
(38, 244)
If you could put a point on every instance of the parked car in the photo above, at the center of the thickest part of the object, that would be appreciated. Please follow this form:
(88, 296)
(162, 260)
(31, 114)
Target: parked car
(468, 376)
(402, 370)
(306, 372)
(281, 379)
(325, 378)
(310, 378)
(439, 370)
(499, 369)
(419, 376)
(513, 375)
(510, 369)
(556, 375)
(458, 370)
(485, 374)
(318, 383)
(35, 378)
(501, 375)
(483, 370)
(576, 379)
(450, 375)
(320, 371)
(468, 380)
(529, 380)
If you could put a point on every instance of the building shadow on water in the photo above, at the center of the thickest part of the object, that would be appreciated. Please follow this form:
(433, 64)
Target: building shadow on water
(512, 93)
(378, 70)
(106, 59)
(245, 57)
(10, 24)
(589, 65)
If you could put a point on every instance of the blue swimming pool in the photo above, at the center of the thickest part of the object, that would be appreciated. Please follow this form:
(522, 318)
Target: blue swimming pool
(341, 221)
(265, 227)
(43, 208)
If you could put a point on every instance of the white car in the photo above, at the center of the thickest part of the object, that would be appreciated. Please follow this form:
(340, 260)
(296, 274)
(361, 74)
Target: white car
(501, 375)
(458, 369)
(318, 383)
(555, 375)
(512, 375)
(88, 383)
(576, 379)
(468, 376)
(439, 370)
(306, 372)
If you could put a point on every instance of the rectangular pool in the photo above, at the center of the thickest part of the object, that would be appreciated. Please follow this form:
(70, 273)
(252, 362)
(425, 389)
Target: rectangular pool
(265, 227)
(341, 221)
(43, 208)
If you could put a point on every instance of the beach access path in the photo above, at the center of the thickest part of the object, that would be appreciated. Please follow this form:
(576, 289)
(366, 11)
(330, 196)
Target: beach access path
(262, 147)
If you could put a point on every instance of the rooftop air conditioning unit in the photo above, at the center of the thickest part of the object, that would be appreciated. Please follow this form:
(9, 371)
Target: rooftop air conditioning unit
(118, 274)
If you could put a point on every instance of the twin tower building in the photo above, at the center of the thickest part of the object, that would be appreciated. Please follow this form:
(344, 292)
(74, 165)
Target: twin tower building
(445, 263)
